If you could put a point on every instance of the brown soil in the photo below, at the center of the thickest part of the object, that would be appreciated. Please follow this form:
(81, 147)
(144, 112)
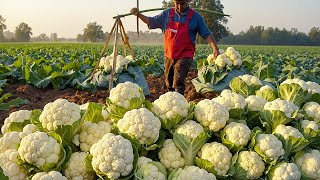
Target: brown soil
(39, 97)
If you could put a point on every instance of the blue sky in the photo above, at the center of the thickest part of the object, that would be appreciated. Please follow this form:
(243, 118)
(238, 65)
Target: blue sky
(68, 18)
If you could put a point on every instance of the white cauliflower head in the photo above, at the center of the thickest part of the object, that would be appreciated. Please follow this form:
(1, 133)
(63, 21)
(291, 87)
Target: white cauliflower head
(237, 133)
(312, 111)
(39, 149)
(270, 146)
(309, 124)
(285, 171)
(190, 128)
(52, 175)
(300, 82)
(147, 169)
(17, 116)
(59, 113)
(282, 105)
(8, 163)
(287, 131)
(211, 114)
(218, 154)
(250, 80)
(28, 129)
(76, 167)
(193, 173)
(140, 124)
(113, 156)
(252, 163)
(222, 61)
(170, 105)
(231, 100)
(124, 92)
(313, 87)
(255, 103)
(170, 156)
(91, 133)
(309, 164)
(10, 140)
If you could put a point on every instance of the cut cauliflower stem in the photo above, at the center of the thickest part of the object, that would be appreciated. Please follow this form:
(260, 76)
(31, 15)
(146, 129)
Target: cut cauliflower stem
(18, 116)
(211, 114)
(170, 105)
(250, 80)
(252, 163)
(124, 92)
(112, 156)
(231, 100)
(284, 106)
(270, 146)
(8, 163)
(52, 175)
(237, 133)
(190, 128)
(146, 169)
(91, 133)
(39, 149)
(218, 154)
(255, 103)
(9, 140)
(284, 171)
(287, 131)
(192, 173)
(170, 156)
(59, 113)
(309, 164)
(312, 111)
(76, 168)
(140, 124)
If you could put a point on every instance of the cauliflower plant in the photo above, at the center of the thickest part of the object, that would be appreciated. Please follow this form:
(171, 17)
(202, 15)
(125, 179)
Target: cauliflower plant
(250, 80)
(91, 133)
(300, 82)
(140, 124)
(313, 88)
(170, 156)
(52, 175)
(151, 170)
(231, 100)
(309, 163)
(267, 92)
(9, 140)
(287, 131)
(252, 163)
(309, 124)
(223, 61)
(123, 93)
(61, 112)
(284, 171)
(8, 163)
(192, 173)
(190, 128)
(39, 149)
(171, 108)
(112, 156)
(236, 133)
(255, 103)
(270, 146)
(211, 114)
(312, 111)
(288, 108)
(76, 167)
(17, 116)
(218, 154)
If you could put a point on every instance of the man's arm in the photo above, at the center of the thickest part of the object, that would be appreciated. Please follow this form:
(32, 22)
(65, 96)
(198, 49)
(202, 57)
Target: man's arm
(213, 44)
(145, 19)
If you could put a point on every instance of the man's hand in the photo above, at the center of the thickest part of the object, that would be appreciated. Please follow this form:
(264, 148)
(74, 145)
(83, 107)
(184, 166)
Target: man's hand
(216, 53)
(134, 11)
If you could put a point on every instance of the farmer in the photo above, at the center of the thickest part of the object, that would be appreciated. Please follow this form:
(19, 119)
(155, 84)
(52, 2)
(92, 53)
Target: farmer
(180, 25)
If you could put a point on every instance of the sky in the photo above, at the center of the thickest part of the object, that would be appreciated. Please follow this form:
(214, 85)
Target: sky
(68, 18)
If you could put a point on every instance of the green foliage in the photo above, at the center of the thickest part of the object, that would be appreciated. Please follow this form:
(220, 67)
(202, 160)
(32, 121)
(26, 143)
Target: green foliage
(23, 32)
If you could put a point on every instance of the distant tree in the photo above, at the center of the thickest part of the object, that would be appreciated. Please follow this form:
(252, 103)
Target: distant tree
(93, 32)
(216, 23)
(80, 38)
(54, 37)
(43, 37)
(2, 28)
(314, 35)
(23, 32)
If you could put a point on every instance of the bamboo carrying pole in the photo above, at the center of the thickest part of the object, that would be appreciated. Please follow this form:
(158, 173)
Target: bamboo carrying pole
(114, 54)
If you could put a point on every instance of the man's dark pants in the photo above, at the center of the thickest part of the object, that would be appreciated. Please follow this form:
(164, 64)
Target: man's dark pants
(175, 73)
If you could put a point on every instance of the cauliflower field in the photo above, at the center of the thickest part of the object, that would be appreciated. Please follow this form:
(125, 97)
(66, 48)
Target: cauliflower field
(258, 128)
